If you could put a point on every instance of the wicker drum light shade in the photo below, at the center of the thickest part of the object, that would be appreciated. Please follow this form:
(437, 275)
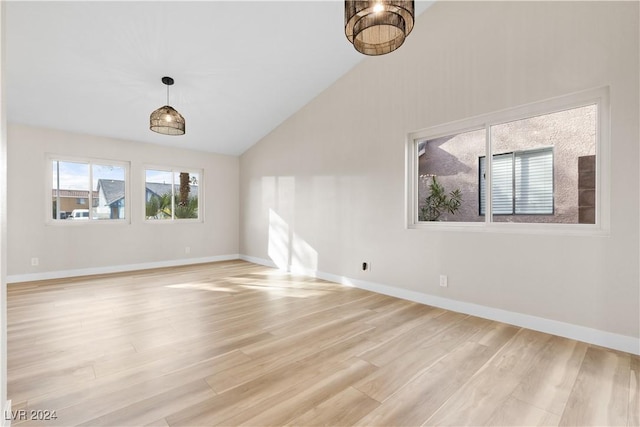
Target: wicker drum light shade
(376, 27)
(166, 120)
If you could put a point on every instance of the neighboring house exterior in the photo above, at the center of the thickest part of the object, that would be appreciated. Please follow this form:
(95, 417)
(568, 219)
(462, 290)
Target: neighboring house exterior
(162, 207)
(111, 196)
(111, 200)
(73, 199)
(159, 189)
(155, 189)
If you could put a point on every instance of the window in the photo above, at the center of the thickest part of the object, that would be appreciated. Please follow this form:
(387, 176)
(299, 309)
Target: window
(522, 183)
(172, 194)
(541, 163)
(86, 190)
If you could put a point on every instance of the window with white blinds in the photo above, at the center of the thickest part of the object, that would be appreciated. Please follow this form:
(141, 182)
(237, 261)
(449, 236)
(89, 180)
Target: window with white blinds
(533, 172)
(522, 183)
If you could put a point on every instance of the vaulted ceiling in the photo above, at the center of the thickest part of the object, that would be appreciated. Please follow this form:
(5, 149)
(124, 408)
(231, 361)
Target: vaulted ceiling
(240, 68)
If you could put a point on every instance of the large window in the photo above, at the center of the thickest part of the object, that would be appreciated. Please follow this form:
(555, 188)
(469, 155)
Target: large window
(541, 163)
(172, 194)
(84, 191)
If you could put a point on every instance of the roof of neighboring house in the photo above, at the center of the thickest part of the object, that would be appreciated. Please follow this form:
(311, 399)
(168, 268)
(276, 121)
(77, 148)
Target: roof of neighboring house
(160, 189)
(74, 193)
(113, 189)
(157, 188)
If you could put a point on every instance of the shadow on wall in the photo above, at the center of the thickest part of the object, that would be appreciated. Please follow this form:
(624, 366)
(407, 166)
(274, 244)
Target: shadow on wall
(441, 162)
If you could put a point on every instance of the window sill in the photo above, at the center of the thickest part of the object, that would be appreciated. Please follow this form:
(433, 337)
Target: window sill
(515, 228)
(83, 223)
(174, 221)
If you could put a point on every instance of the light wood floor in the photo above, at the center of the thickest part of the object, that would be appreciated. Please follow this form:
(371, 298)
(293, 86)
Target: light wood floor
(234, 343)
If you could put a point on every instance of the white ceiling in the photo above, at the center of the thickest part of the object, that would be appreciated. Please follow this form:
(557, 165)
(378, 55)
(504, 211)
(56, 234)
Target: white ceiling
(240, 68)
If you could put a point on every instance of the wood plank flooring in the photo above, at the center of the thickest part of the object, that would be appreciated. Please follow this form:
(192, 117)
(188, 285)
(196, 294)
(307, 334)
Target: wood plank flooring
(234, 343)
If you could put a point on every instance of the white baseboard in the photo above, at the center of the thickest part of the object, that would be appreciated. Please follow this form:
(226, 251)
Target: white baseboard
(16, 278)
(568, 330)
(260, 261)
(7, 414)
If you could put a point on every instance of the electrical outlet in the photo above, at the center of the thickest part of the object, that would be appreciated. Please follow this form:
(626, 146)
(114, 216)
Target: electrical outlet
(187, 250)
(366, 266)
(443, 281)
(35, 262)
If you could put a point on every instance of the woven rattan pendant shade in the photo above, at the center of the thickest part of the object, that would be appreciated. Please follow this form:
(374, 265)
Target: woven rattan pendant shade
(166, 120)
(377, 27)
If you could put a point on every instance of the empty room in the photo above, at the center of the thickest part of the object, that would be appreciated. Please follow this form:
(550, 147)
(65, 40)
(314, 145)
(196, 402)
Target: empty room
(336, 213)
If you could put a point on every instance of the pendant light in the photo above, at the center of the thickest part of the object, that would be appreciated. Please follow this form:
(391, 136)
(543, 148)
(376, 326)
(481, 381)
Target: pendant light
(377, 27)
(166, 120)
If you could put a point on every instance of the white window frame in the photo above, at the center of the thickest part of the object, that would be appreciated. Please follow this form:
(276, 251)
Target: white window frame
(173, 170)
(49, 198)
(599, 97)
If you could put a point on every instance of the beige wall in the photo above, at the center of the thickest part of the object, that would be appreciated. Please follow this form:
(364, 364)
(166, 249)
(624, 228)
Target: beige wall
(325, 190)
(88, 246)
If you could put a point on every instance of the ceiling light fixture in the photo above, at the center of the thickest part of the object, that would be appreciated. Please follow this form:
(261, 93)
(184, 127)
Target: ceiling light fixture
(377, 27)
(166, 120)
